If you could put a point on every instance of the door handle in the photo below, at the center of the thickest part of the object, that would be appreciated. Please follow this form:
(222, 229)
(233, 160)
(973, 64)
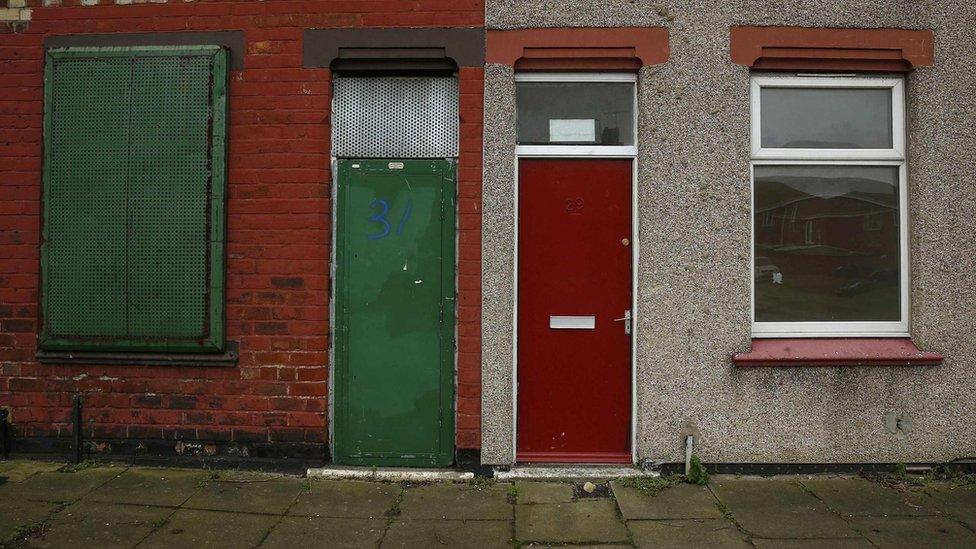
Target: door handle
(626, 320)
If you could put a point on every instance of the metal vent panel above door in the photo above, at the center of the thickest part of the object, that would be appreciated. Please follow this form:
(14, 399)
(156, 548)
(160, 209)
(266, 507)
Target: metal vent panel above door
(395, 117)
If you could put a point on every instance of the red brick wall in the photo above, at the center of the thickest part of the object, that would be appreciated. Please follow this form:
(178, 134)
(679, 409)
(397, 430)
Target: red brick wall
(278, 238)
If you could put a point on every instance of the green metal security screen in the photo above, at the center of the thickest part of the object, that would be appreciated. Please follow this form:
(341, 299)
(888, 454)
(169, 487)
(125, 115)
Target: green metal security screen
(134, 147)
(394, 341)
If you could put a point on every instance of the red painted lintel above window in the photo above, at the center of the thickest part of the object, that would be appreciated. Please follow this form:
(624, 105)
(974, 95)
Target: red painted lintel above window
(615, 49)
(836, 352)
(815, 49)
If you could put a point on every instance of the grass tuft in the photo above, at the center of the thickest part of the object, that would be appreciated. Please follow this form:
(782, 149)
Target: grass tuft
(652, 486)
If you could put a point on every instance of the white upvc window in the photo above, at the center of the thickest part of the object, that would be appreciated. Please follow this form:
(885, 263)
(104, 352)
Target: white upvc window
(829, 207)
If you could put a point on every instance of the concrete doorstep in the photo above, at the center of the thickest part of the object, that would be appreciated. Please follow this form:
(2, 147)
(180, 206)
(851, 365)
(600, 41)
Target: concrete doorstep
(550, 472)
(389, 474)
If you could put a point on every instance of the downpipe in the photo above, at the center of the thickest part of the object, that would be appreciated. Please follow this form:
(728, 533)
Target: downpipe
(4, 434)
(77, 447)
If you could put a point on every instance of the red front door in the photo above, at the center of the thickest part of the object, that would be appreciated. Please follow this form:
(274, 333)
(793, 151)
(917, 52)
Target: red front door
(574, 282)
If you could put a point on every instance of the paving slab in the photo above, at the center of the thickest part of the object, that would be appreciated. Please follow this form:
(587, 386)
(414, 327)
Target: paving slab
(59, 486)
(247, 494)
(772, 508)
(449, 533)
(912, 532)
(210, 529)
(530, 493)
(456, 501)
(17, 515)
(842, 543)
(162, 487)
(682, 501)
(90, 524)
(584, 521)
(346, 499)
(18, 470)
(336, 533)
(956, 500)
(687, 533)
(859, 497)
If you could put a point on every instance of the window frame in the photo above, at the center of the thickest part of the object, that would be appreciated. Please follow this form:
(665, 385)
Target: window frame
(609, 151)
(833, 157)
(214, 338)
(896, 85)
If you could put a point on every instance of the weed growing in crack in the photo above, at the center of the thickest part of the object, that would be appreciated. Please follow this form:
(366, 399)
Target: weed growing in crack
(512, 493)
(726, 512)
(86, 464)
(482, 482)
(394, 509)
(652, 486)
(697, 474)
(900, 479)
(22, 535)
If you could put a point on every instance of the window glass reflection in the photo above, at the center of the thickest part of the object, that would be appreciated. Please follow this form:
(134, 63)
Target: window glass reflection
(826, 243)
(575, 113)
(816, 118)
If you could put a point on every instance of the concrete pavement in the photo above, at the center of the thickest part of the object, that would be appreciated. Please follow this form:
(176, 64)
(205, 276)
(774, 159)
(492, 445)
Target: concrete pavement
(104, 505)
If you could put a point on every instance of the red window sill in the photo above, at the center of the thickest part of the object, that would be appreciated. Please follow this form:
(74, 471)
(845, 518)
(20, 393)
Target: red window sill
(836, 352)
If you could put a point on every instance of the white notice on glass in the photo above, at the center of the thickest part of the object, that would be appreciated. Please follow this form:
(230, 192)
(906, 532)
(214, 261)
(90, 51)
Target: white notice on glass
(572, 130)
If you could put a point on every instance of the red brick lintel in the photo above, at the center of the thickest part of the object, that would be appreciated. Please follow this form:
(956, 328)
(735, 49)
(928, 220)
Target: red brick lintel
(836, 352)
(800, 48)
(624, 48)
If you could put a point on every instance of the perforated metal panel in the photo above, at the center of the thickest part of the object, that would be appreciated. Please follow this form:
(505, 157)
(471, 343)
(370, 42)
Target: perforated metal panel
(87, 167)
(395, 117)
(134, 199)
(168, 194)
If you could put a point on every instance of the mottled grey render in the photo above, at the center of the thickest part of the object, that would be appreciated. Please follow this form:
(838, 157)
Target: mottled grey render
(693, 274)
(498, 266)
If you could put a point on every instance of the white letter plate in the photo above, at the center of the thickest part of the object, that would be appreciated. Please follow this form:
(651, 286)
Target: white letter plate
(572, 322)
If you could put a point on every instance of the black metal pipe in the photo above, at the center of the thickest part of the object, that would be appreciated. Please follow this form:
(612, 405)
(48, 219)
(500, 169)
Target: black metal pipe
(4, 434)
(77, 449)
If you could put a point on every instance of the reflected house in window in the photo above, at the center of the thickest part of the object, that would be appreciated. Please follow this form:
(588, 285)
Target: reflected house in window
(830, 231)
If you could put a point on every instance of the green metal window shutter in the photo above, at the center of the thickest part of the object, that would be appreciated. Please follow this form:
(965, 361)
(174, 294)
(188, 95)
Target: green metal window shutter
(134, 177)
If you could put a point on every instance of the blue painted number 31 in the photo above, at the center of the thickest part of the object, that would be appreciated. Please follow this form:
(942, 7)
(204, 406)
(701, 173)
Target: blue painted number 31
(380, 217)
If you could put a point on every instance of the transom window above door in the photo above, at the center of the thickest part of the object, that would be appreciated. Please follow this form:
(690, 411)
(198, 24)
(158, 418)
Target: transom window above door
(830, 254)
(566, 113)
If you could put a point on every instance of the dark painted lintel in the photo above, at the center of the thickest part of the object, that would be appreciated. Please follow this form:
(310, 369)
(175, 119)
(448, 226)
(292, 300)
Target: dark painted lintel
(393, 48)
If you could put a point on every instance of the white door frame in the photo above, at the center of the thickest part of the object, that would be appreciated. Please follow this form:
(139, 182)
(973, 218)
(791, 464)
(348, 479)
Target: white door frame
(589, 152)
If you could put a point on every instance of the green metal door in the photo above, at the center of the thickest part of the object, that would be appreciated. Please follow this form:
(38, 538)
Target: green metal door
(394, 308)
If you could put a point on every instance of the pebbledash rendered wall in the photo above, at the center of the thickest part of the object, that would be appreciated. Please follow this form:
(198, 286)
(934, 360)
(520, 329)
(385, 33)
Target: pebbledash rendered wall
(274, 402)
(693, 308)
